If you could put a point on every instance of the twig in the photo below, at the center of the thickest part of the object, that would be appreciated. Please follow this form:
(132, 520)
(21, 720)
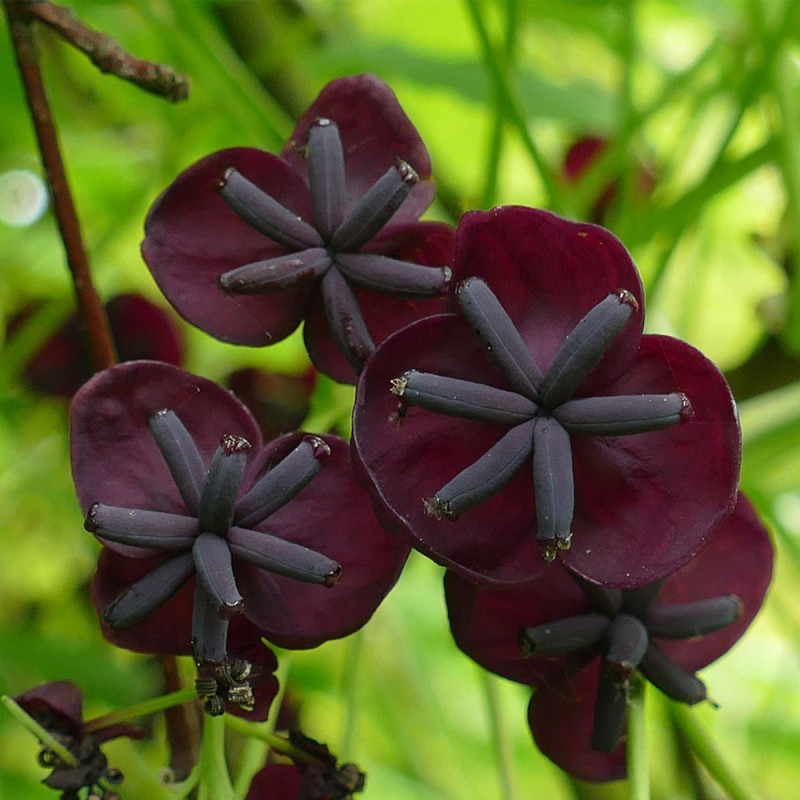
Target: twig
(100, 343)
(104, 52)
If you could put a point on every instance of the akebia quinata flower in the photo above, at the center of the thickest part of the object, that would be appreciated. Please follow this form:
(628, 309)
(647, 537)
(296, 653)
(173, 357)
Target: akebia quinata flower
(580, 645)
(246, 245)
(205, 528)
(536, 419)
(58, 708)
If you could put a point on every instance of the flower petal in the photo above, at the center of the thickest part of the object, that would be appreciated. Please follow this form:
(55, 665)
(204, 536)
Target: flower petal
(115, 459)
(332, 515)
(375, 133)
(548, 273)
(192, 237)
(562, 719)
(646, 503)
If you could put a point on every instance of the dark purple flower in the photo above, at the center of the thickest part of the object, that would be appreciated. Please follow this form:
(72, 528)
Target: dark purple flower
(579, 644)
(582, 155)
(205, 528)
(58, 708)
(539, 411)
(139, 328)
(279, 402)
(246, 245)
(314, 775)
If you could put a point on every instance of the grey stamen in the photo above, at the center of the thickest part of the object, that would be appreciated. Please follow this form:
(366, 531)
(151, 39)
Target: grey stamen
(222, 485)
(623, 415)
(142, 528)
(610, 710)
(460, 398)
(183, 459)
(673, 680)
(266, 214)
(626, 642)
(149, 593)
(553, 483)
(563, 635)
(326, 176)
(686, 620)
(268, 552)
(212, 561)
(345, 321)
(280, 484)
(375, 208)
(485, 477)
(392, 276)
(585, 345)
(209, 629)
(499, 336)
(274, 274)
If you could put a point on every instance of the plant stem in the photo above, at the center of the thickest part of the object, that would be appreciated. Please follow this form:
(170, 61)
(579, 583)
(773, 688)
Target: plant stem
(638, 767)
(257, 730)
(502, 745)
(707, 753)
(215, 781)
(143, 709)
(100, 343)
(42, 734)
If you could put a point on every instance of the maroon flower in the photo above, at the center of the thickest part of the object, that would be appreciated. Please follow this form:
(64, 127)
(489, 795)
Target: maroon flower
(246, 245)
(58, 708)
(314, 775)
(202, 533)
(541, 411)
(579, 644)
(279, 402)
(140, 330)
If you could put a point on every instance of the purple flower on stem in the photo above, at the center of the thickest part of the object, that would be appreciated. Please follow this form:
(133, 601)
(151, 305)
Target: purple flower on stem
(204, 528)
(246, 244)
(140, 330)
(58, 708)
(539, 411)
(580, 644)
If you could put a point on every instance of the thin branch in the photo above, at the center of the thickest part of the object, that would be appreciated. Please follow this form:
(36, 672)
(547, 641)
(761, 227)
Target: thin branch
(100, 343)
(105, 52)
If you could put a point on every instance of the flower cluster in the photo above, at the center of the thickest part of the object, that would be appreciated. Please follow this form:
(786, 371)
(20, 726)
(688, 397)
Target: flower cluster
(576, 477)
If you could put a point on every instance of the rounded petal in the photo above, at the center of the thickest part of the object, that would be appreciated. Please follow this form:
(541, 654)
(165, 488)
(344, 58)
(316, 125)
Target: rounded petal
(55, 705)
(375, 133)
(645, 504)
(428, 243)
(115, 459)
(737, 560)
(406, 454)
(276, 782)
(192, 237)
(486, 623)
(548, 272)
(333, 516)
(561, 720)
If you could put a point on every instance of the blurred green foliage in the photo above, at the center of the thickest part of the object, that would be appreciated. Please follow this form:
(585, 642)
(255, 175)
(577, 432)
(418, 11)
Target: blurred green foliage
(704, 94)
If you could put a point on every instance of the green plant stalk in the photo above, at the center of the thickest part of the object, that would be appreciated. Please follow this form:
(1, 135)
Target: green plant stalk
(638, 765)
(708, 754)
(555, 199)
(143, 709)
(499, 737)
(44, 736)
(214, 778)
(349, 690)
(257, 730)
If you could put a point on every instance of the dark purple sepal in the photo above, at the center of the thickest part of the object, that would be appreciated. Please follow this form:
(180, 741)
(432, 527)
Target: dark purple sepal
(332, 515)
(375, 133)
(192, 237)
(561, 718)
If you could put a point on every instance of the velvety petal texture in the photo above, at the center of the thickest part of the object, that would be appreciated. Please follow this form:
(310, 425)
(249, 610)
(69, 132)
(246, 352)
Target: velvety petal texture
(489, 625)
(246, 245)
(287, 530)
(553, 314)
